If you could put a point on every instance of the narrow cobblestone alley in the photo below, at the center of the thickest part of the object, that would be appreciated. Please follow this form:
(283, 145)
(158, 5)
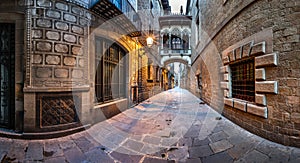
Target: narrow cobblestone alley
(173, 126)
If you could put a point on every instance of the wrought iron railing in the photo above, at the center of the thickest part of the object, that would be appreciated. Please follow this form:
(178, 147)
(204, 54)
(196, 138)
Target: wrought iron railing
(123, 5)
(129, 11)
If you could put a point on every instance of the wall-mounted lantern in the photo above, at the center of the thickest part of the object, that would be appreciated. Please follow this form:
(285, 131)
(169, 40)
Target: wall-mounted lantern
(149, 41)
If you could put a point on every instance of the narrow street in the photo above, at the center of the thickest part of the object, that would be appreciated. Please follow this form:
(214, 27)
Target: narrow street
(172, 126)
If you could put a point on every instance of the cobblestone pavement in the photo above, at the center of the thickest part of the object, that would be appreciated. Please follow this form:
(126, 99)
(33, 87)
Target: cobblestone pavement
(170, 127)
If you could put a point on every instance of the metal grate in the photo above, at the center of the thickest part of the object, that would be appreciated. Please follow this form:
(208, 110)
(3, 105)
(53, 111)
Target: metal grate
(110, 81)
(7, 74)
(243, 81)
(58, 110)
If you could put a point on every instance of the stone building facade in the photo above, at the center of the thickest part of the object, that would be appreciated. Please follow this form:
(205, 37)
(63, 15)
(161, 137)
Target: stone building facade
(71, 63)
(150, 72)
(247, 64)
(175, 44)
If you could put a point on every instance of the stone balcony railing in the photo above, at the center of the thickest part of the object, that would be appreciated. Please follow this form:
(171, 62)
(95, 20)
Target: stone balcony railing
(175, 52)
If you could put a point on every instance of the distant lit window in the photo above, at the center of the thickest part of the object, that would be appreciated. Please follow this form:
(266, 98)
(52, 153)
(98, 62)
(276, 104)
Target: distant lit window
(149, 68)
(176, 43)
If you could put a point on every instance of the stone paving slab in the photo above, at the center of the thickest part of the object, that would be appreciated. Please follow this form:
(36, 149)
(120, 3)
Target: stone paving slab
(126, 158)
(75, 155)
(239, 150)
(220, 146)
(169, 127)
(254, 157)
(218, 136)
(34, 151)
(2, 155)
(56, 160)
(200, 151)
(218, 158)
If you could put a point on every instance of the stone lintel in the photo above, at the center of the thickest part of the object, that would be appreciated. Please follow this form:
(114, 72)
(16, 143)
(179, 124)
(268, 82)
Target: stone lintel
(257, 110)
(260, 74)
(228, 101)
(226, 93)
(231, 55)
(224, 69)
(246, 49)
(238, 53)
(226, 77)
(225, 85)
(266, 87)
(259, 48)
(266, 60)
(226, 60)
(260, 99)
(241, 105)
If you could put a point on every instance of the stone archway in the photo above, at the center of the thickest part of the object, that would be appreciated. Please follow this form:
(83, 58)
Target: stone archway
(167, 60)
(182, 75)
(172, 60)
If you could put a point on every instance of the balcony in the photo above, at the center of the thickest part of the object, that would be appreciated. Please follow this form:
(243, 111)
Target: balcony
(177, 46)
(175, 52)
(125, 13)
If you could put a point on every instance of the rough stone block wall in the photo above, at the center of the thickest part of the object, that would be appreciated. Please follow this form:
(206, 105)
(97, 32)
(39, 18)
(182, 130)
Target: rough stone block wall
(208, 66)
(233, 23)
(148, 16)
(148, 87)
(56, 59)
(205, 93)
(58, 33)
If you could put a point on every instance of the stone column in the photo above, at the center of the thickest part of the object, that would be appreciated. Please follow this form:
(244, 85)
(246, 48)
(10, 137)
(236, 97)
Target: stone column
(189, 41)
(181, 40)
(170, 41)
(162, 41)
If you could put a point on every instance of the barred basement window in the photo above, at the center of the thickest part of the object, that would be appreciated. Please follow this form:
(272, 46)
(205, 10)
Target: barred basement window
(110, 71)
(243, 80)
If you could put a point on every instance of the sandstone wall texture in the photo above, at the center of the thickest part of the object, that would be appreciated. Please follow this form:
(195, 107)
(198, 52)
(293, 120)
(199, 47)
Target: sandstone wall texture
(269, 31)
(55, 68)
(58, 32)
(56, 65)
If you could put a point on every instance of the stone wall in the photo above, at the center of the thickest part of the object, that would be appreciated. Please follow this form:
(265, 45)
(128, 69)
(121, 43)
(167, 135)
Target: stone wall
(149, 85)
(55, 69)
(270, 31)
(12, 12)
(56, 64)
(58, 32)
(149, 20)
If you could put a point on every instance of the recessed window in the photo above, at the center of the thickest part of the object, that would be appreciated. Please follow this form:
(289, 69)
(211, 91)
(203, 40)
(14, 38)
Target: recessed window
(243, 80)
(110, 71)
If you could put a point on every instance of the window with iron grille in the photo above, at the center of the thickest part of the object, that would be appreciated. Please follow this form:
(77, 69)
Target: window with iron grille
(243, 80)
(110, 71)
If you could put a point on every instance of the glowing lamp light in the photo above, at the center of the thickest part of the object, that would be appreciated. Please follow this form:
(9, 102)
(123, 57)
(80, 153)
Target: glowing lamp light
(149, 41)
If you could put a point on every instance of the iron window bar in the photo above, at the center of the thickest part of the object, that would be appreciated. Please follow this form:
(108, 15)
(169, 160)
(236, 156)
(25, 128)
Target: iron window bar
(110, 71)
(243, 80)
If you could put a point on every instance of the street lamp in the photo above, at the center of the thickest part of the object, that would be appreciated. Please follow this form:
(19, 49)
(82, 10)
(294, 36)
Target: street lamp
(168, 68)
(149, 41)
